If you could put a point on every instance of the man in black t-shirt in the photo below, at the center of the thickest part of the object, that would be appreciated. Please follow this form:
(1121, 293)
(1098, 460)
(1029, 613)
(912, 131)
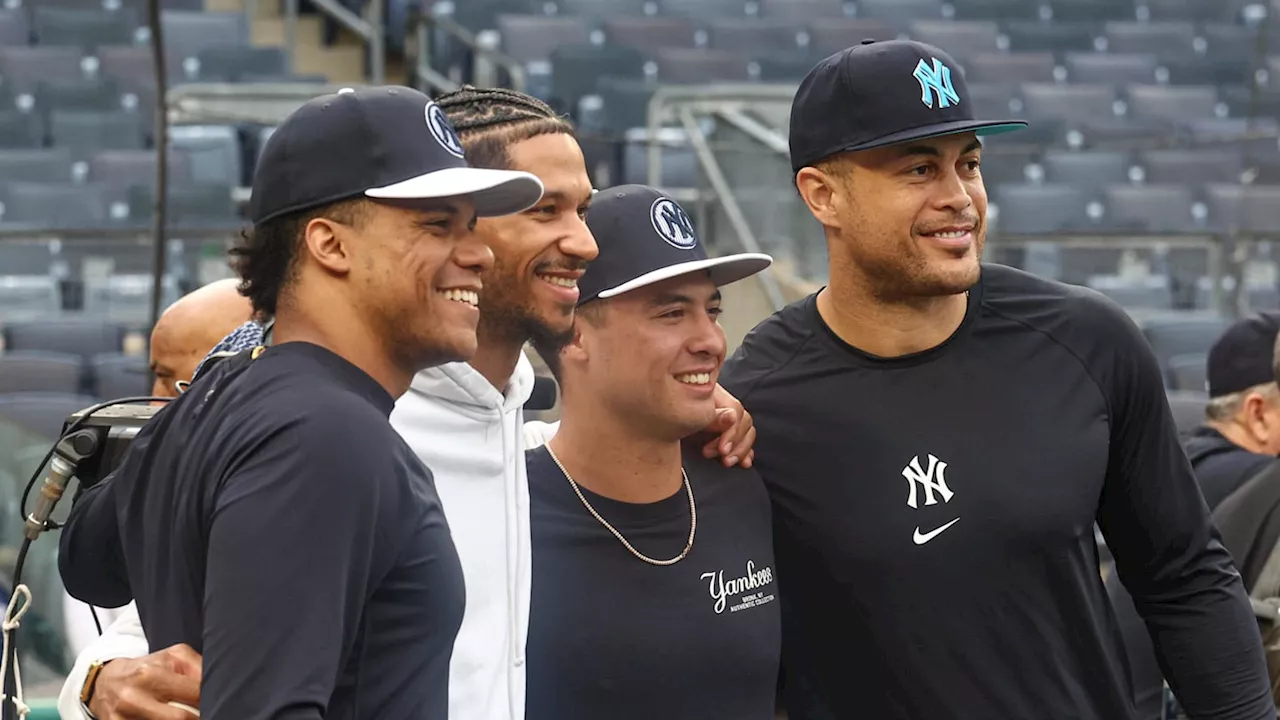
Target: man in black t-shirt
(654, 593)
(271, 518)
(940, 436)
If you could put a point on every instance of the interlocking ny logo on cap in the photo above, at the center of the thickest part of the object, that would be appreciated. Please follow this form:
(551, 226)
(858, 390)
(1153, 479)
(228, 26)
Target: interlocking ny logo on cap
(935, 84)
(673, 224)
(442, 130)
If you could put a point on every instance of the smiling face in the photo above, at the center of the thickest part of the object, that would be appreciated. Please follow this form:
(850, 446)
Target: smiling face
(651, 356)
(416, 276)
(540, 254)
(910, 219)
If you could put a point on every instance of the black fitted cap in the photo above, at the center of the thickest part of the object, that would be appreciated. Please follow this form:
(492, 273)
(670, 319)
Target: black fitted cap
(1243, 356)
(882, 93)
(385, 142)
(644, 238)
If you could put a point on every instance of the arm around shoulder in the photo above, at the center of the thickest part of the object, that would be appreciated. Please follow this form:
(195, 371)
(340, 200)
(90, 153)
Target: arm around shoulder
(121, 639)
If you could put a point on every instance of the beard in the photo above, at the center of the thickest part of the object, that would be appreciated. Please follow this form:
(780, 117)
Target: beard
(509, 313)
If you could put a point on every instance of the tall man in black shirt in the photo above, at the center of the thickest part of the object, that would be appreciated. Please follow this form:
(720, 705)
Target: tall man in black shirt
(653, 583)
(270, 517)
(939, 437)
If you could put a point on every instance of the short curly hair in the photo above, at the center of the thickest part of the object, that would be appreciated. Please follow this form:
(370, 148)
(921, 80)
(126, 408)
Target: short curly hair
(265, 258)
(490, 120)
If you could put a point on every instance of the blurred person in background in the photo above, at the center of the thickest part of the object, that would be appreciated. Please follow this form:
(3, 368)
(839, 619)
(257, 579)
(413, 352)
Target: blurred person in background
(939, 437)
(653, 577)
(271, 518)
(189, 328)
(465, 419)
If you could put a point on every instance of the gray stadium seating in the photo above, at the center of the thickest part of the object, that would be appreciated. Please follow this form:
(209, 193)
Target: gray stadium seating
(1187, 408)
(1111, 68)
(960, 38)
(42, 414)
(232, 64)
(1162, 39)
(23, 68)
(650, 33)
(80, 336)
(900, 13)
(1034, 209)
(14, 27)
(86, 132)
(213, 153)
(40, 371)
(1023, 67)
(530, 38)
(704, 9)
(807, 10)
(1188, 372)
(1034, 36)
(64, 205)
(683, 65)
(46, 165)
(1151, 209)
(754, 36)
(1090, 169)
(116, 375)
(1186, 165)
(834, 34)
(86, 29)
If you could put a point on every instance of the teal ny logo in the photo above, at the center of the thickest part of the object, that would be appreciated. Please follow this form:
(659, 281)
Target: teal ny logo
(935, 85)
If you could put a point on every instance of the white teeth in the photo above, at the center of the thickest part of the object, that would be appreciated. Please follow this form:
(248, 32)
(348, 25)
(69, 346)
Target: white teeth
(470, 297)
(951, 235)
(560, 281)
(694, 378)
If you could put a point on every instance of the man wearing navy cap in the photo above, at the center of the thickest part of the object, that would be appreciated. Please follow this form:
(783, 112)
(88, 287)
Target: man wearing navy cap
(654, 591)
(271, 518)
(939, 438)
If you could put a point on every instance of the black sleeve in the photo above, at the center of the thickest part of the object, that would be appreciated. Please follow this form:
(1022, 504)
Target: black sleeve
(90, 555)
(1168, 553)
(296, 541)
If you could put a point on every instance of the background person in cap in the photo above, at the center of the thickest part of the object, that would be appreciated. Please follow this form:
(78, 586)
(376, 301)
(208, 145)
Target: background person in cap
(1241, 433)
(939, 438)
(270, 517)
(653, 582)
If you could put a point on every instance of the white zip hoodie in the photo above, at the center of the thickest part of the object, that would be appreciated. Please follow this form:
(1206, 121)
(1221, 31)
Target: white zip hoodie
(471, 437)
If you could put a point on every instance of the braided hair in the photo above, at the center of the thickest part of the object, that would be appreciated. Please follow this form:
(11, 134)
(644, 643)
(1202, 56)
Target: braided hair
(490, 120)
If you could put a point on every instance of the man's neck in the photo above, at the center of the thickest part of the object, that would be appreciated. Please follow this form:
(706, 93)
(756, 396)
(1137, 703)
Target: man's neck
(356, 347)
(1236, 435)
(889, 329)
(605, 457)
(497, 354)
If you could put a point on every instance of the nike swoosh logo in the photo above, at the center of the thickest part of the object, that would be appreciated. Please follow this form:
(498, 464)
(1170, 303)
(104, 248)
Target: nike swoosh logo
(921, 539)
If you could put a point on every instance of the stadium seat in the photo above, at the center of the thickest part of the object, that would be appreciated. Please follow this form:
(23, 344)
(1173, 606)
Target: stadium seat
(648, 34)
(626, 103)
(42, 414)
(531, 38)
(1191, 166)
(1151, 293)
(123, 169)
(1187, 408)
(1248, 100)
(1068, 103)
(189, 33)
(20, 130)
(960, 39)
(1197, 11)
(1188, 372)
(683, 65)
(1088, 169)
(97, 94)
(45, 165)
(81, 336)
(1152, 209)
(24, 298)
(22, 68)
(116, 375)
(1007, 165)
(788, 67)
(40, 371)
(1010, 68)
(232, 64)
(576, 69)
(27, 258)
(995, 100)
(704, 9)
(86, 132)
(1244, 208)
(1162, 39)
(197, 205)
(86, 29)
(1173, 337)
(900, 13)
(213, 152)
(803, 10)
(1090, 10)
(1029, 36)
(63, 205)
(126, 298)
(596, 11)
(1026, 209)
(1000, 10)
(1118, 69)
(753, 37)
(14, 28)
(1172, 104)
(835, 34)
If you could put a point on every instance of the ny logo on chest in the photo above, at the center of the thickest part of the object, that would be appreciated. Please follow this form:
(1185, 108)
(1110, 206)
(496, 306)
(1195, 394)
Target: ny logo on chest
(929, 480)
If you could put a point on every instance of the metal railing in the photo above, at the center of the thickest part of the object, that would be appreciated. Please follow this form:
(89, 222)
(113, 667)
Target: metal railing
(370, 29)
(488, 62)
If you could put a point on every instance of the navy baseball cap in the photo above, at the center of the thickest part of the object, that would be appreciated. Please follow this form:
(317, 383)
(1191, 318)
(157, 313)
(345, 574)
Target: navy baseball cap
(384, 142)
(644, 238)
(1244, 356)
(882, 93)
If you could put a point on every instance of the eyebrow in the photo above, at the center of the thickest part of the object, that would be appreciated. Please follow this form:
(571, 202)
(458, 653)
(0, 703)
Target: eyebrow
(673, 298)
(933, 152)
(559, 196)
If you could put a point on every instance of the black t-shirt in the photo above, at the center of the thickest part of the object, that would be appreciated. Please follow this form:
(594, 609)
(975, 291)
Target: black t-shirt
(934, 517)
(611, 636)
(272, 519)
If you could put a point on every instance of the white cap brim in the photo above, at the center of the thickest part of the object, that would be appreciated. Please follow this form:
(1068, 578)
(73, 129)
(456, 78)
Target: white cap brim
(494, 192)
(723, 271)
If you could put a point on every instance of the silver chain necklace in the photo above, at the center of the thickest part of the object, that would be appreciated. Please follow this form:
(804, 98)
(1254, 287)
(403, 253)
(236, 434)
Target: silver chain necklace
(693, 516)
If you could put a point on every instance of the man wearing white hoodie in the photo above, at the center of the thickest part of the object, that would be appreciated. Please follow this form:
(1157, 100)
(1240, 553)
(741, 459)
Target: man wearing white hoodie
(465, 419)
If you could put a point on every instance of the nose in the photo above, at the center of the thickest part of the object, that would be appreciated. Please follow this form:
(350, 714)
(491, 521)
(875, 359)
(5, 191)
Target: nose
(708, 337)
(954, 192)
(472, 254)
(578, 242)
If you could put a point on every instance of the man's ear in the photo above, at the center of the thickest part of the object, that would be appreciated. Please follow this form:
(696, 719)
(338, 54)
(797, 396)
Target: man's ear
(578, 349)
(326, 242)
(818, 189)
